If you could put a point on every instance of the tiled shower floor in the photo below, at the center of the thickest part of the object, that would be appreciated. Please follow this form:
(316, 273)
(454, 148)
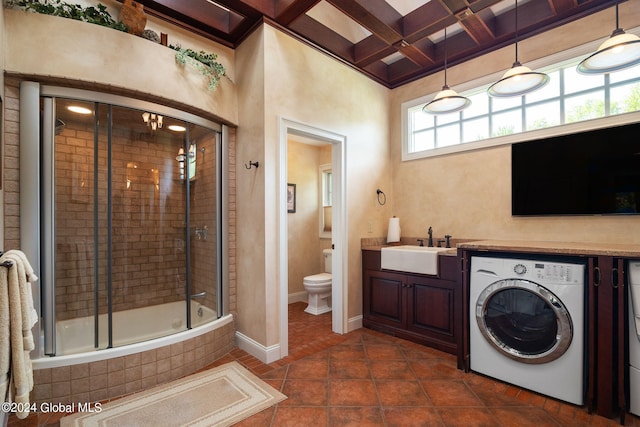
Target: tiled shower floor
(365, 378)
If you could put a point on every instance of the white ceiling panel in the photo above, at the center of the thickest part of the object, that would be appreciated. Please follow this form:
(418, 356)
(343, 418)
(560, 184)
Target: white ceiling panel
(405, 7)
(331, 17)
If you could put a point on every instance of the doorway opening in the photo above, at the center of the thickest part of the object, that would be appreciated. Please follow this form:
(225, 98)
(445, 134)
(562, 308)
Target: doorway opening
(311, 219)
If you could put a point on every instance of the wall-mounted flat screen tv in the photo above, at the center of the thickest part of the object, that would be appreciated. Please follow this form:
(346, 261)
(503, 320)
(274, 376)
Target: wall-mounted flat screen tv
(594, 172)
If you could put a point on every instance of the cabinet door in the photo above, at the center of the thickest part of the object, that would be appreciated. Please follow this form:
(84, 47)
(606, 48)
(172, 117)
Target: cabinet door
(430, 308)
(383, 297)
(607, 327)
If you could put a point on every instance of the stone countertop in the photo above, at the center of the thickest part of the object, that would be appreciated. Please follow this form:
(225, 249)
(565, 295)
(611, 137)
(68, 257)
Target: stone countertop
(527, 246)
(560, 248)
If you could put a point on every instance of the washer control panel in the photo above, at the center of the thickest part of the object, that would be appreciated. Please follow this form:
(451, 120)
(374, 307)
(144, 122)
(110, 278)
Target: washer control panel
(520, 269)
(554, 272)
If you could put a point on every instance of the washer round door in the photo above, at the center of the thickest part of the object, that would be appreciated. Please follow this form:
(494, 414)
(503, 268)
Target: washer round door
(524, 321)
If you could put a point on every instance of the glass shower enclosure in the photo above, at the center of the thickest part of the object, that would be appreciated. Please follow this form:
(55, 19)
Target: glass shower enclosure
(131, 233)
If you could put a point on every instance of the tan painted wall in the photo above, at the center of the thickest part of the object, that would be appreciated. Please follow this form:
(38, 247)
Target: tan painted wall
(305, 86)
(308, 87)
(55, 50)
(468, 195)
(250, 187)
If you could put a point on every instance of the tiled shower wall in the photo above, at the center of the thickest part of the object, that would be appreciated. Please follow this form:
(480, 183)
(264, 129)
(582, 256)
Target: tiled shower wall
(149, 245)
(148, 253)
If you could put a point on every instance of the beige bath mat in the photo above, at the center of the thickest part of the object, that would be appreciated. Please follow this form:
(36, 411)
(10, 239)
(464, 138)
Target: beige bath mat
(216, 397)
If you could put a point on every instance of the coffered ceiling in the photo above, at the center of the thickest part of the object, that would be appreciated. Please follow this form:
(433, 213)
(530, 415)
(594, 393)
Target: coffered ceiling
(391, 41)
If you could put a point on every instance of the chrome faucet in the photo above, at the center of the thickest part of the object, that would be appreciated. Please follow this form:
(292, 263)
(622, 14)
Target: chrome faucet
(430, 233)
(201, 233)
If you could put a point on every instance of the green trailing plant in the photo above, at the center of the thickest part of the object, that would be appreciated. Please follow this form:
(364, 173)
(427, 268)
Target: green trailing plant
(93, 15)
(204, 62)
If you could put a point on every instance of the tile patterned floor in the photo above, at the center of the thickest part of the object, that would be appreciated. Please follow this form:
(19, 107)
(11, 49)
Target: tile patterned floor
(365, 378)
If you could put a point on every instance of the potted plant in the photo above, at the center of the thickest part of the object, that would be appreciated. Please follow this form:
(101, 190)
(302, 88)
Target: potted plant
(204, 62)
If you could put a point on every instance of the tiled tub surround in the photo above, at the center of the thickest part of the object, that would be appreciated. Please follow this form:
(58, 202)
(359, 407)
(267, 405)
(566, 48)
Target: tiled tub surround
(105, 379)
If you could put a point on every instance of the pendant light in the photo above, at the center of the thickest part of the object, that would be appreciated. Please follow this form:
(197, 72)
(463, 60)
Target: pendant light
(519, 79)
(447, 100)
(620, 51)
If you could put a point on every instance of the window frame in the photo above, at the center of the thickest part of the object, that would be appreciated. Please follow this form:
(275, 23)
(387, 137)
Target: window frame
(548, 64)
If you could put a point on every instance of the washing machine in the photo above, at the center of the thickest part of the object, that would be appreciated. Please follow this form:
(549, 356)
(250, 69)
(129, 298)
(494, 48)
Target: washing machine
(634, 336)
(527, 324)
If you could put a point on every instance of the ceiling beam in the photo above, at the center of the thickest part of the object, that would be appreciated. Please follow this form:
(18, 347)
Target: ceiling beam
(323, 37)
(475, 26)
(426, 20)
(197, 12)
(413, 54)
(371, 49)
(249, 7)
(455, 6)
(561, 6)
(288, 11)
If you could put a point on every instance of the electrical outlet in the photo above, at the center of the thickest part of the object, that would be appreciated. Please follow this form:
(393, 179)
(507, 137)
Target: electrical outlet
(370, 227)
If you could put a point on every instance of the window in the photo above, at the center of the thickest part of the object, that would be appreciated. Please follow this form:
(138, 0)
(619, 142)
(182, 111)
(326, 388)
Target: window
(569, 97)
(326, 199)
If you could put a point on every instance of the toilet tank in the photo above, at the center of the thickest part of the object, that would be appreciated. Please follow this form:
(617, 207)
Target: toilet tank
(327, 260)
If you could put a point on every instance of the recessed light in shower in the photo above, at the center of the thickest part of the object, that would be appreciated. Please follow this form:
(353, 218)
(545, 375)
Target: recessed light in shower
(78, 109)
(177, 128)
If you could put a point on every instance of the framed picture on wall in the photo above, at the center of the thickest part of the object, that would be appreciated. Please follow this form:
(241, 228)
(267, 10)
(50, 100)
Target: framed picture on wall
(291, 198)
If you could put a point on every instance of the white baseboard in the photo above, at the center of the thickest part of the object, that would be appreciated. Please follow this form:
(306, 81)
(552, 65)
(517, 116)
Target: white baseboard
(354, 323)
(272, 353)
(264, 354)
(298, 297)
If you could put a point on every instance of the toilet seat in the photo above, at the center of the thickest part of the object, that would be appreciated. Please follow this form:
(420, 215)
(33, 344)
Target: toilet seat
(318, 279)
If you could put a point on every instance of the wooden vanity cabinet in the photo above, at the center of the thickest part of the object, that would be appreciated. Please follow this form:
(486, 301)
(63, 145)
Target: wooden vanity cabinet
(420, 308)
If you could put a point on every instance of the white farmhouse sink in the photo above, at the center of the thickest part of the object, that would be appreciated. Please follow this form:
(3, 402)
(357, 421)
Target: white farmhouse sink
(411, 259)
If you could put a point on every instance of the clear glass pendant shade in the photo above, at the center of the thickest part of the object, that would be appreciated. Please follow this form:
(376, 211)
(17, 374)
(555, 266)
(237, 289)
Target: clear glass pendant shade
(518, 80)
(446, 101)
(620, 51)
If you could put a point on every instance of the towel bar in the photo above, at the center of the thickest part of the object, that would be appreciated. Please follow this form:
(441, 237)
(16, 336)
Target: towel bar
(6, 263)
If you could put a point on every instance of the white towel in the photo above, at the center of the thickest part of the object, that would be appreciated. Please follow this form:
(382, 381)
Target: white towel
(25, 277)
(31, 276)
(22, 317)
(5, 349)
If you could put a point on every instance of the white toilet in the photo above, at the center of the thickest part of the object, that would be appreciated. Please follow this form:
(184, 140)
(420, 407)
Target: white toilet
(318, 287)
